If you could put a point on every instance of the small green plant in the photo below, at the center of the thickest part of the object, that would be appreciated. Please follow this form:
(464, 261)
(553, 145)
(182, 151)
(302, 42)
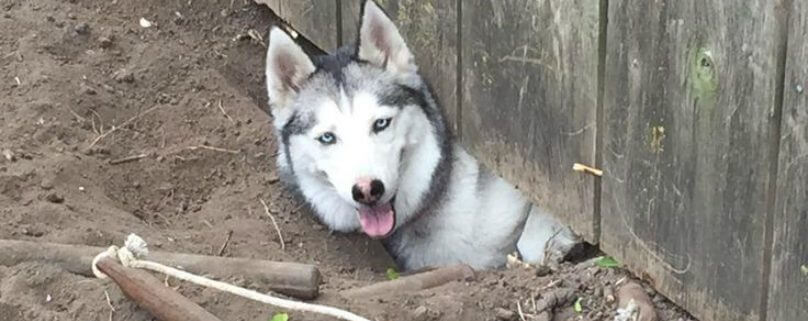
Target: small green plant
(280, 317)
(578, 307)
(607, 262)
(392, 274)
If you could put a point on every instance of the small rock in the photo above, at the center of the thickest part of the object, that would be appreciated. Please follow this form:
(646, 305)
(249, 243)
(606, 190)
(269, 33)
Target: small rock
(420, 314)
(543, 270)
(504, 314)
(87, 90)
(55, 198)
(598, 292)
(46, 184)
(9, 155)
(178, 18)
(632, 296)
(145, 23)
(32, 232)
(82, 28)
(71, 16)
(123, 75)
(105, 42)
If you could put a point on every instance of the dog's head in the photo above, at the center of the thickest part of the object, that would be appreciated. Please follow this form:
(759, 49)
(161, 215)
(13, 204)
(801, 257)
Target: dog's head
(354, 124)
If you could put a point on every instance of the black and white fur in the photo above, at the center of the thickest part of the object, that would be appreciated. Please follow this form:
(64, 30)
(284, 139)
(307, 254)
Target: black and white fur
(446, 208)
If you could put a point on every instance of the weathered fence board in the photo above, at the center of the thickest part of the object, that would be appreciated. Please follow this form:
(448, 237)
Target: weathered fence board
(690, 91)
(687, 135)
(789, 275)
(430, 29)
(529, 98)
(316, 20)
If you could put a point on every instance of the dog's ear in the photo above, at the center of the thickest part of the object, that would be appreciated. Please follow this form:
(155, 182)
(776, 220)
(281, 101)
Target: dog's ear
(287, 67)
(380, 43)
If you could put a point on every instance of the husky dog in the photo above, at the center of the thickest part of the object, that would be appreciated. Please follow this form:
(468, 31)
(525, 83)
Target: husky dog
(364, 142)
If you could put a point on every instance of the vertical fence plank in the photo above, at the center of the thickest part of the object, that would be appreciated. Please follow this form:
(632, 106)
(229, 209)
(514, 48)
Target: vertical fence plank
(316, 20)
(789, 278)
(430, 30)
(530, 98)
(689, 106)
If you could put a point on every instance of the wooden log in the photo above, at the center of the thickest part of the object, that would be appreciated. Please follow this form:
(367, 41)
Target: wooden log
(412, 283)
(150, 294)
(292, 279)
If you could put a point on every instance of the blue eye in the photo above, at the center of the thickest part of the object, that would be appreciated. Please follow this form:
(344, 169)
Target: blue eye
(381, 124)
(327, 138)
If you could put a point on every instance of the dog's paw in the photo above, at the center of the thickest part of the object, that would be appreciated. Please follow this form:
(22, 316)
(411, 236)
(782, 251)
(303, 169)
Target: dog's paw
(544, 240)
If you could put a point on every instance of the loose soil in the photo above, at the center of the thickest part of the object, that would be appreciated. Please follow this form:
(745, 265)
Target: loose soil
(108, 128)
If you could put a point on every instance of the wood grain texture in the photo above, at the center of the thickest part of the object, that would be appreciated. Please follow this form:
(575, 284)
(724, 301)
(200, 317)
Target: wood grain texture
(430, 30)
(315, 20)
(150, 294)
(788, 299)
(690, 105)
(412, 283)
(292, 279)
(274, 5)
(529, 98)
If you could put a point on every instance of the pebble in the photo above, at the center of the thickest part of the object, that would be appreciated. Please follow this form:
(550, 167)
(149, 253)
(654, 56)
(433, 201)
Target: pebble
(420, 314)
(124, 75)
(543, 270)
(32, 232)
(9, 155)
(55, 198)
(82, 28)
(105, 42)
(46, 184)
(86, 90)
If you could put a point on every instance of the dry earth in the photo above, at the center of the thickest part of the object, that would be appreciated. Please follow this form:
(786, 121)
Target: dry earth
(85, 86)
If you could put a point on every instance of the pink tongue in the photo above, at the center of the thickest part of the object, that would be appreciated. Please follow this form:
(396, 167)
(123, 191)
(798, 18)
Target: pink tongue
(377, 221)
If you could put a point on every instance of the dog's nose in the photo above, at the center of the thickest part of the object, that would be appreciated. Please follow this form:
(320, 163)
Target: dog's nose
(368, 191)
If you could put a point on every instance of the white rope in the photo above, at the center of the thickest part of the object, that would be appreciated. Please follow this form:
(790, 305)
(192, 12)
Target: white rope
(135, 248)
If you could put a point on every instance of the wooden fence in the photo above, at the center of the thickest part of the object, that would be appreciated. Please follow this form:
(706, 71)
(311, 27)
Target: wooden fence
(696, 110)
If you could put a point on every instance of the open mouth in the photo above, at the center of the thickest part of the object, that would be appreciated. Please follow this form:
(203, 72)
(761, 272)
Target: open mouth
(378, 221)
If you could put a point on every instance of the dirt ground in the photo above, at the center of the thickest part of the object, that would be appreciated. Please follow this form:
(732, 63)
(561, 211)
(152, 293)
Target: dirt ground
(85, 87)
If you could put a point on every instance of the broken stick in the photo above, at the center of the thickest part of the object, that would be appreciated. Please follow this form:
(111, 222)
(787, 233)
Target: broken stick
(412, 283)
(293, 279)
(583, 168)
(150, 294)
